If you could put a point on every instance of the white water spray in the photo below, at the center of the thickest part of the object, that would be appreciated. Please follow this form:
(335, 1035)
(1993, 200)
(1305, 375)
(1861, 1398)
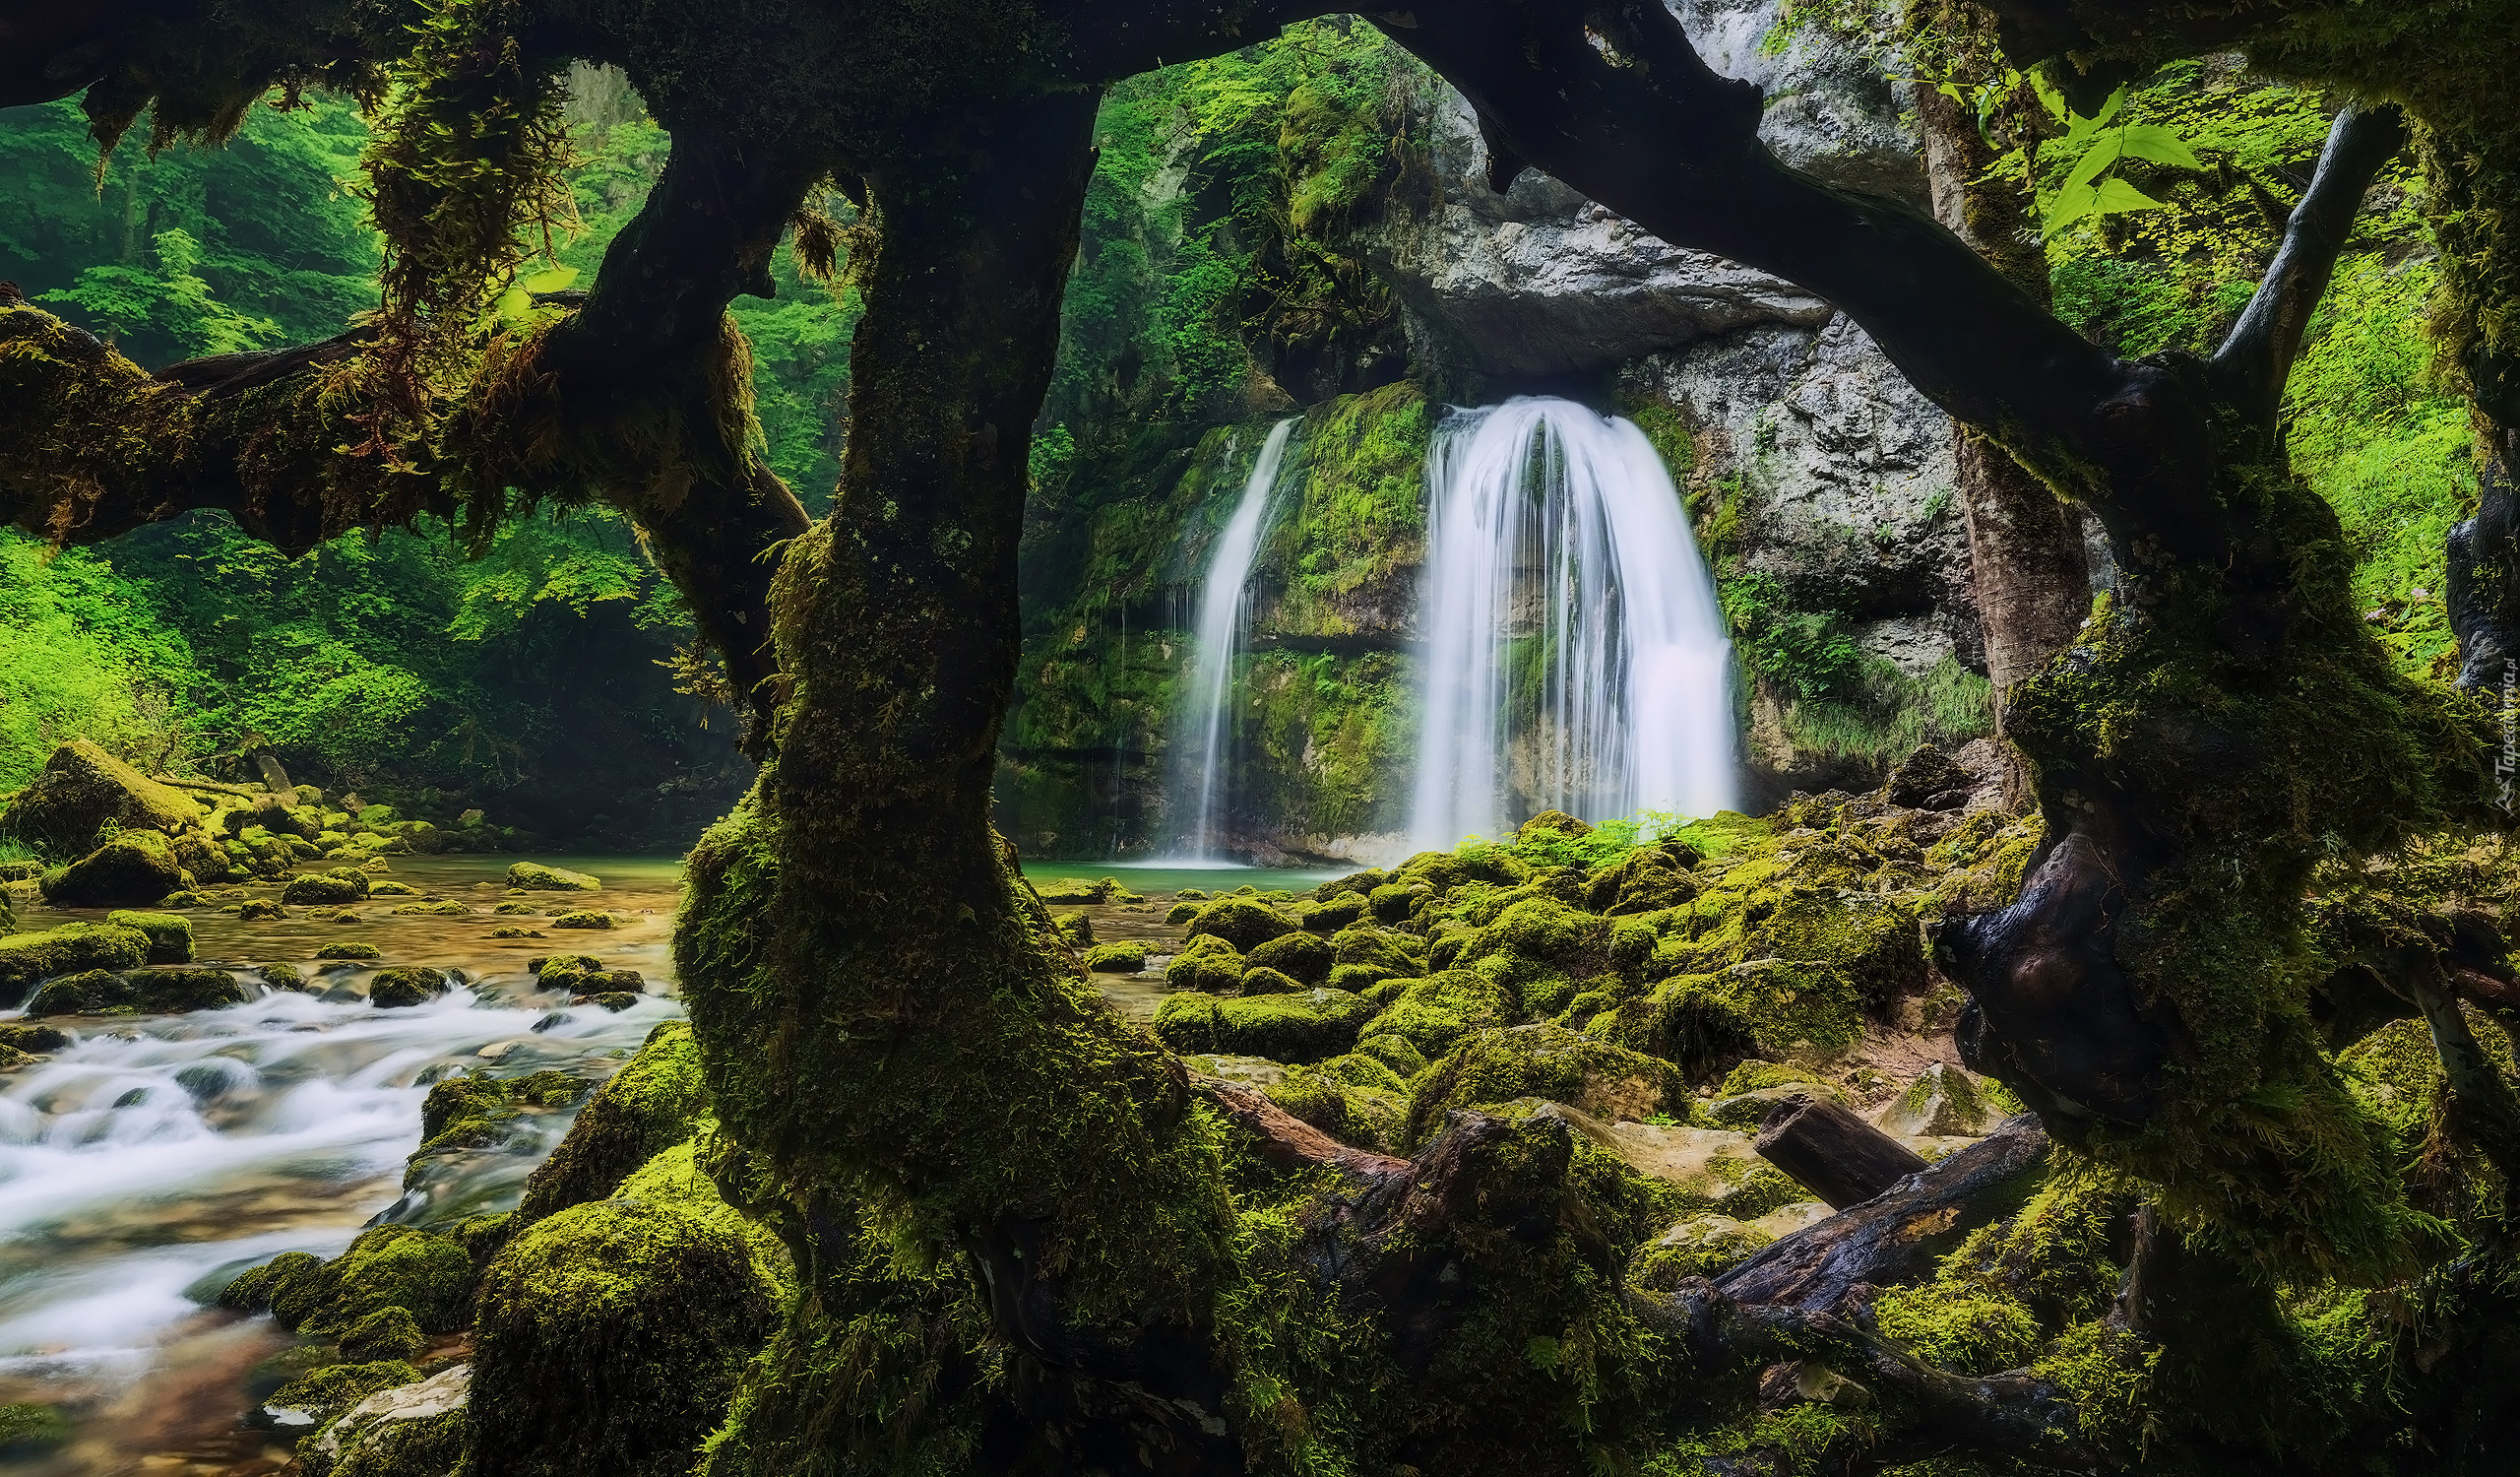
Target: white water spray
(1576, 657)
(1223, 617)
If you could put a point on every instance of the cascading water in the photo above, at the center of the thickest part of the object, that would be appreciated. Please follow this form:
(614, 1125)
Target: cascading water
(1576, 656)
(1225, 615)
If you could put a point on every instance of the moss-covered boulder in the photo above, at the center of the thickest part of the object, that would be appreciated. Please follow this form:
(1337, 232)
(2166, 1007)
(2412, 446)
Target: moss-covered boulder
(1396, 1054)
(1541, 951)
(171, 938)
(261, 910)
(1700, 1245)
(1124, 958)
(648, 1106)
(341, 884)
(1602, 1080)
(1767, 1007)
(1648, 880)
(1356, 1100)
(27, 1036)
(350, 949)
(446, 908)
(400, 989)
(1261, 979)
(387, 1333)
(534, 876)
(611, 1333)
(1206, 963)
(1331, 913)
(424, 1273)
(476, 1111)
(1075, 928)
(1873, 941)
(406, 1429)
(165, 990)
(25, 958)
(1245, 922)
(1304, 1025)
(584, 919)
(135, 867)
(1432, 1013)
(1301, 955)
(327, 1393)
(80, 789)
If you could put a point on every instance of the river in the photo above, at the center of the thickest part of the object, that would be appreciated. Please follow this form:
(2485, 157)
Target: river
(155, 1157)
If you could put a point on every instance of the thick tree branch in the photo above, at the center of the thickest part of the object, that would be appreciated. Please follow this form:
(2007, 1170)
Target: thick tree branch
(2257, 356)
(1614, 101)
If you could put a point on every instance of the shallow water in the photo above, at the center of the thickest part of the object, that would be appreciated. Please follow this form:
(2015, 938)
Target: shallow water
(1173, 876)
(155, 1157)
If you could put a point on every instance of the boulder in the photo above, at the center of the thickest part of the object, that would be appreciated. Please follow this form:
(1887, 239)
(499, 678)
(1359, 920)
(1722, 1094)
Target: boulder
(157, 991)
(1302, 955)
(1206, 963)
(400, 989)
(1261, 979)
(413, 1429)
(1245, 922)
(387, 1266)
(584, 919)
(643, 1110)
(341, 884)
(171, 938)
(1306, 1025)
(134, 868)
(1116, 958)
(1602, 1080)
(534, 876)
(83, 788)
(25, 958)
(1942, 1101)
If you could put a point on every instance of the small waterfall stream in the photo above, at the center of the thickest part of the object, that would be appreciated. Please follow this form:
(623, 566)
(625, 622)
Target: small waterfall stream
(1225, 616)
(1576, 657)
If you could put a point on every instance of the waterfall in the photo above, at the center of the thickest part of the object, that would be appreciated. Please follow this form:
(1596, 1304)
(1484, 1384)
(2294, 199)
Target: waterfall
(1576, 657)
(1224, 616)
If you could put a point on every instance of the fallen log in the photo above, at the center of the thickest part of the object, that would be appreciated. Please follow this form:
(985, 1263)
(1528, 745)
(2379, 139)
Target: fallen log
(1837, 1155)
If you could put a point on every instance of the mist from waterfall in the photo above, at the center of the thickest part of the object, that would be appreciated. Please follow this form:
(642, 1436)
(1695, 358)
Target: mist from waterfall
(1576, 657)
(1224, 616)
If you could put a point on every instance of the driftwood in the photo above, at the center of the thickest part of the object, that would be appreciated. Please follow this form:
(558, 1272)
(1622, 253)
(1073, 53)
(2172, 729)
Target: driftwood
(1837, 1155)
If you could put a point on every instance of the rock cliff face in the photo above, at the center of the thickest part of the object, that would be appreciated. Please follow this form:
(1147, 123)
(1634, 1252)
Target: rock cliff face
(1820, 484)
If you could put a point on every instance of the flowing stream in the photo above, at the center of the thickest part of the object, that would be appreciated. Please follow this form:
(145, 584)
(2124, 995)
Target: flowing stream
(1576, 657)
(154, 1157)
(1225, 616)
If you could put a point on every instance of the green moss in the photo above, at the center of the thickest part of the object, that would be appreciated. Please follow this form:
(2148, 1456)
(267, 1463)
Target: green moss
(157, 990)
(1240, 921)
(135, 866)
(348, 950)
(400, 989)
(389, 1333)
(534, 876)
(1302, 1025)
(476, 1111)
(1366, 1114)
(346, 884)
(1204, 963)
(1304, 956)
(328, 1392)
(1117, 958)
(1396, 1054)
(171, 938)
(648, 1106)
(27, 1427)
(1262, 979)
(1543, 1062)
(387, 1266)
(444, 908)
(611, 1333)
(586, 919)
(1432, 1013)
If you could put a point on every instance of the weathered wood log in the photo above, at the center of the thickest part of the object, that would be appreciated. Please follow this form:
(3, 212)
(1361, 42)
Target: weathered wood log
(1840, 1157)
(210, 786)
(1898, 1235)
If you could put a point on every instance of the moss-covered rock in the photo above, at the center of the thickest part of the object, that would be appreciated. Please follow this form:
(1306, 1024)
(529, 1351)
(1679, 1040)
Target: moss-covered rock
(409, 986)
(1770, 1008)
(348, 950)
(1602, 1080)
(584, 919)
(135, 867)
(1124, 958)
(165, 990)
(260, 910)
(327, 1393)
(171, 938)
(648, 1106)
(476, 1111)
(1400, 1055)
(69, 949)
(1648, 880)
(342, 884)
(410, 1430)
(1304, 1025)
(27, 1428)
(1260, 980)
(534, 876)
(387, 1266)
(564, 971)
(388, 887)
(80, 789)
(1702, 1246)
(1367, 1115)
(611, 1333)
(26, 1036)
(1245, 922)
(447, 908)
(1076, 928)
(1432, 1013)
(1206, 963)
(387, 1333)
(1300, 955)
